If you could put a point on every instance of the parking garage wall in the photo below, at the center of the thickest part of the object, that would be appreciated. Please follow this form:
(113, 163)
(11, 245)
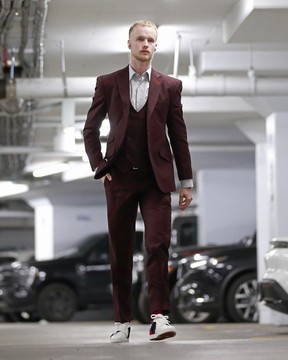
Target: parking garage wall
(226, 205)
(71, 224)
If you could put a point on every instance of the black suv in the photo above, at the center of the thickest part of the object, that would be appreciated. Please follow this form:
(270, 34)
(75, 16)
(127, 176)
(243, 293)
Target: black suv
(54, 290)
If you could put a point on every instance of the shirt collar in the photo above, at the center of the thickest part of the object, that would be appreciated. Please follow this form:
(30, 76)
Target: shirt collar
(132, 72)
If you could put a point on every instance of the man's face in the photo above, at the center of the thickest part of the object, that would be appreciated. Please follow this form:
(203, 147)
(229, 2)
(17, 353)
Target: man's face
(142, 43)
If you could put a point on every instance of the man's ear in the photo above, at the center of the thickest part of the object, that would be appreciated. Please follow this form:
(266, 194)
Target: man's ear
(129, 45)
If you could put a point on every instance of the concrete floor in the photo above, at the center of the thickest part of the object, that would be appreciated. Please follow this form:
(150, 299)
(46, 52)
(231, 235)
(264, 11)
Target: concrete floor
(90, 340)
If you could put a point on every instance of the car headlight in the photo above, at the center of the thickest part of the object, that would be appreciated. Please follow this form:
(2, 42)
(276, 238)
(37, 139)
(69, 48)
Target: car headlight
(217, 261)
(201, 262)
(138, 262)
(197, 261)
(24, 275)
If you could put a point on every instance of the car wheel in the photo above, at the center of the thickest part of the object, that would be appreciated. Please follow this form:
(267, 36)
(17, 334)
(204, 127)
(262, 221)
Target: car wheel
(183, 309)
(242, 301)
(139, 310)
(57, 302)
(143, 307)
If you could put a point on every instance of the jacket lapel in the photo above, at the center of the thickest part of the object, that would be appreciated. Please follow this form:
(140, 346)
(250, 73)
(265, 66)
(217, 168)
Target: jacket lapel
(124, 92)
(123, 88)
(154, 90)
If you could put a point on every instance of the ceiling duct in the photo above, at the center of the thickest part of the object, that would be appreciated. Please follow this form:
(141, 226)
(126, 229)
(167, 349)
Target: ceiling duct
(216, 85)
(15, 130)
(16, 117)
(39, 25)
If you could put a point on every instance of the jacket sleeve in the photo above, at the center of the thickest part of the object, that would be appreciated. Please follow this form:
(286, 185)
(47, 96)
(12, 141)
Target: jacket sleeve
(91, 132)
(178, 135)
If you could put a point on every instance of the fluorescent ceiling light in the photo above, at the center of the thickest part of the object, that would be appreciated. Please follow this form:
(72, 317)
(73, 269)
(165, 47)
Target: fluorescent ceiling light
(8, 188)
(50, 170)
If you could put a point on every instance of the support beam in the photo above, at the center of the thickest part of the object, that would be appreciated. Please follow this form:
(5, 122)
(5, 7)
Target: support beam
(268, 63)
(248, 22)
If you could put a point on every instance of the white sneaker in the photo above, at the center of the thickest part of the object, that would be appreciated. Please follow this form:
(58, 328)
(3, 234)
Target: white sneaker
(121, 332)
(160, 328)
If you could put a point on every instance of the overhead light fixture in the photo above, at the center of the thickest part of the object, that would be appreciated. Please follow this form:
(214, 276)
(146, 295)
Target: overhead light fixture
(8, 188)
(50, 170)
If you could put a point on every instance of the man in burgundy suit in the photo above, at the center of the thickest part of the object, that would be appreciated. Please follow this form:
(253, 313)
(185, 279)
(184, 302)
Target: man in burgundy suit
(144, 110)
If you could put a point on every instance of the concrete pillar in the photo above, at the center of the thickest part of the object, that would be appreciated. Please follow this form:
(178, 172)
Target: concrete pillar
(277, 133)
(271, 148)
(64, 139)
(273, 196)
(262, 222)
(44, 228)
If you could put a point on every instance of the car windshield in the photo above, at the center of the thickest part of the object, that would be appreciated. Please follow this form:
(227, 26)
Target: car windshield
(99, 241)
(248, 241)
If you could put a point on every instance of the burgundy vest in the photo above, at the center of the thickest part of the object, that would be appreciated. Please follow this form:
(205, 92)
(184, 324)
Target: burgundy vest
(134, 152)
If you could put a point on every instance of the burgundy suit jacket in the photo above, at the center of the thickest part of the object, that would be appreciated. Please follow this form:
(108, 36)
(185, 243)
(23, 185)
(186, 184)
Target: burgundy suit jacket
(164, 112)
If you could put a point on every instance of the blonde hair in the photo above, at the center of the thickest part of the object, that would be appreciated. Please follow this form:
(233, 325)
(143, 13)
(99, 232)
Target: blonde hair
(147, 23)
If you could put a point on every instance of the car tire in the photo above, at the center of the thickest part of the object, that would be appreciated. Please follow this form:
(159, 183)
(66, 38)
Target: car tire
(143, 307)
(57, 302)
(183, 313)
(138, 310)
(241, 301)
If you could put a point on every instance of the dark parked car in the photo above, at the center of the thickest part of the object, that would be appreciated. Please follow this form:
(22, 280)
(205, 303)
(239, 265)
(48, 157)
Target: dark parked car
(7, 257)
(218, 282)
(176, 254)
(209, 282)
(54, 290)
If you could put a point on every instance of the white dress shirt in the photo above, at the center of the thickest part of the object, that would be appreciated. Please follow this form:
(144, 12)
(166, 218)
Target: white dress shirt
(139, 88)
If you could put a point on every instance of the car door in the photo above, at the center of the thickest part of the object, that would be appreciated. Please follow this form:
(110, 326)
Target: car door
(97, 274)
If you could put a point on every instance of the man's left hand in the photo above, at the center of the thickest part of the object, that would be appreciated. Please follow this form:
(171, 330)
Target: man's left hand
(185, 198)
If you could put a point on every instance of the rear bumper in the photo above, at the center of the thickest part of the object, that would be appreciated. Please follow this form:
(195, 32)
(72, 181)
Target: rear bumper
(273, 295)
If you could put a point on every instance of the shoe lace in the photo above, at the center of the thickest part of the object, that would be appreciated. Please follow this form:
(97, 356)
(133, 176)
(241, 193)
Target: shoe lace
(160, 317)
(121, 327)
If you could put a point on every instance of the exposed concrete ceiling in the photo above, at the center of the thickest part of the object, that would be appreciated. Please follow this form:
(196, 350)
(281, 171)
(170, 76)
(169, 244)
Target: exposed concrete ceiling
(233, 47)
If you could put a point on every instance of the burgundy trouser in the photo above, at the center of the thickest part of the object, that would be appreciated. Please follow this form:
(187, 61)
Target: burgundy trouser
(124, 194)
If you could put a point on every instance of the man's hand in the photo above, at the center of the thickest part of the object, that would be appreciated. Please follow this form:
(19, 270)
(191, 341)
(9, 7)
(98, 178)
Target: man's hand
(185, 198)
(108, 176)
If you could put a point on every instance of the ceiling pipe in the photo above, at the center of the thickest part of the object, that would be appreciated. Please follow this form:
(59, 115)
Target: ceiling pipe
(39, 27)
(176, 55)
(63, 68)
(6, 6)
(16, 7)
(24, 31)
(221, 85)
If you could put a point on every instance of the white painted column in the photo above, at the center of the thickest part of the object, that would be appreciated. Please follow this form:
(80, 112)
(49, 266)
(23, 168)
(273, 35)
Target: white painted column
(263, 224)
(271, 145)
(277, 135)
(274, 217)
(64, 140)
(44, 228)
